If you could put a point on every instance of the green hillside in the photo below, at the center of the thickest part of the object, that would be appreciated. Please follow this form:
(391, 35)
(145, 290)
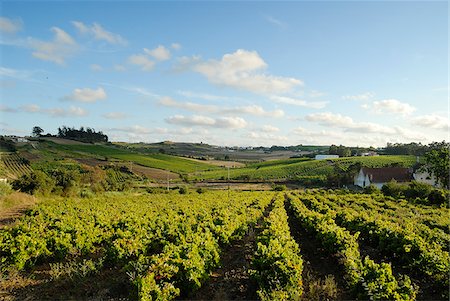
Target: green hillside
(160, 161)
(300, 169)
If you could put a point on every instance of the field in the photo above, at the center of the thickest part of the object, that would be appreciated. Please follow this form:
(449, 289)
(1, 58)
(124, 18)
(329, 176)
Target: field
(313, 244)
(155, 160)
(13, 166)
(300, 168)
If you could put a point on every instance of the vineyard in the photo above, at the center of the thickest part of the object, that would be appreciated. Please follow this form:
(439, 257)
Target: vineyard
(167, 246)
(299, 168)
(12, 166)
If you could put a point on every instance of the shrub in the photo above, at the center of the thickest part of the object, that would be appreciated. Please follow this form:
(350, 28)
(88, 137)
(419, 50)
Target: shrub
(34, 183)
(279, 188)
(201, 190)
(5, 189)
(438, 196)
(371, 189)
(183, 190)
(418, 190)
(394, 189)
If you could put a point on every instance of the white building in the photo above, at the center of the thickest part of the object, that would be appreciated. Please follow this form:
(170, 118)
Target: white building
(380, 176)
(425, 177)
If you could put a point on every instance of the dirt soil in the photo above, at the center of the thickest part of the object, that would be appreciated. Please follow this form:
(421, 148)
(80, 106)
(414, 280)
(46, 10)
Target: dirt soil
(232, 280)
(317, 264)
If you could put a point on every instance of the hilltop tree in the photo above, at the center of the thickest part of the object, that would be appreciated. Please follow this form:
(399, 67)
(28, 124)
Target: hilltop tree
(37, 131)
(438, 162)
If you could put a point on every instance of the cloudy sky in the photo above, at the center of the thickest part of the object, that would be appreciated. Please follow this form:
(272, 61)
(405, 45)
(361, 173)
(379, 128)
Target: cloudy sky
(228, 73)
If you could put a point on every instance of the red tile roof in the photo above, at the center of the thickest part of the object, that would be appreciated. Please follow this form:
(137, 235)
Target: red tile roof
(385, 174)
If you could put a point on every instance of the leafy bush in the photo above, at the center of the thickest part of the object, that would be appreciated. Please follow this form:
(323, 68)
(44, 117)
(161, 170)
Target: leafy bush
(371, 189)
(201, 190)
(35, 183)
(183, 190)
(394, 189)
(418, 190)
(438, 196)
(279, 188)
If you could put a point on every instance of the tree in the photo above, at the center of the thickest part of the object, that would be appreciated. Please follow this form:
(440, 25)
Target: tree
(437, 162)
(37, 131)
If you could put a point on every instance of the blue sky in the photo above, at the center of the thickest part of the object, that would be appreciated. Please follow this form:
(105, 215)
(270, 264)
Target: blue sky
(228, 73)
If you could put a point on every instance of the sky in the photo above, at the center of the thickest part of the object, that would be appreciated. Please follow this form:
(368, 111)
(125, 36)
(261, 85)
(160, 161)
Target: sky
(231, 73)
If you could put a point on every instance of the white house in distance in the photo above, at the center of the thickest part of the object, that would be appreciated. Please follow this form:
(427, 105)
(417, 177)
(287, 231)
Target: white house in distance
(425, 177)
(322, 157)
(380, 176)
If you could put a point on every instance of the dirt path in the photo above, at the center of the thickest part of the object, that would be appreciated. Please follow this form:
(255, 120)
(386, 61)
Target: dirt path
(9, 214)
(323, 276)
(232, 281)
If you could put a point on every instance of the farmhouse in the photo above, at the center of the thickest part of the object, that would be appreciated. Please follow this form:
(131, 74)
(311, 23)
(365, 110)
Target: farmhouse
(425, 177)
(380, 176)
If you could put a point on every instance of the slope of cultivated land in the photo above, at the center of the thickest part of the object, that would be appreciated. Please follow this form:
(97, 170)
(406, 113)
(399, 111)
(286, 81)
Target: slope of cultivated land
(161, 246)
(12, 166)
(159, 161)
(292, 169)
(394, 232)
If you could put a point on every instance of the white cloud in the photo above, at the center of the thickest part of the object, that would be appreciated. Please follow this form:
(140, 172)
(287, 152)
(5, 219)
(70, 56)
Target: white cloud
(315, 93)
(95, 67)
(269, 129)
(201, 108)
(344, 122)
(244, 70)
(432, 121)
(185, 63)
(197, 120)
(119, 68)
(390, 106)
(7, 109)
(115, 115)
(298, 102)
(62, 47)
(205, 96)
(160, 53)
(9, 25)
(191, 121)
(175, 46)
(254, 110)
(142, 61)
(31, 108)
(72, 111)
(99, 33)
(230, 122)
(360, 97)
(276, 22)
(86, 95)
(170, 102)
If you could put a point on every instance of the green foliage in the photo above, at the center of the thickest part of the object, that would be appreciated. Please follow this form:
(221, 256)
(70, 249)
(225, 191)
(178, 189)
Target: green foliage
(5, 189)
(167, 244)
(37, 131)
(437, 162)
(394, 189)
(277, 264)
(367, 278)
(183, 190)
(371, 189)
(279, 187)
(35, 183)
